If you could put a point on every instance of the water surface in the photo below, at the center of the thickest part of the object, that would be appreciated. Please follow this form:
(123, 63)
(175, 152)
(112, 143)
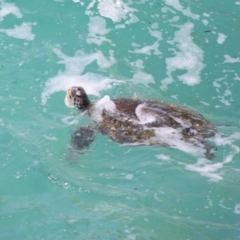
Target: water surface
(183, 52)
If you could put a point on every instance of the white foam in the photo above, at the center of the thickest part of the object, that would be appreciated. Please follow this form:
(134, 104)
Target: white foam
(237, 3)
(219, 140)
(176, 5)
(155, 33)
(104, 103)
(142, 78)
(116, 10)
(119, 26)
(223, 96)
(154, 26)
(90, 5)
(168, 9)
(206, 14)
(221, 38)
(148, 49)
(129, 176)
(189, 58)
(51, 138)
(207, 170)
(163, 157)
(97, 25)
(237, 207)
(170, 137)
(72, 120)
(174, 19)
(205, 22)
(214, 171)
(138, 64)
(97, 30)
(173, 138)
(92, 83)
(154, 48)
(236, 77)
(229, 59)
(8, 8)
(204, 103)
(143, 116)
(74, 67)
(221, 204)
(23, 31)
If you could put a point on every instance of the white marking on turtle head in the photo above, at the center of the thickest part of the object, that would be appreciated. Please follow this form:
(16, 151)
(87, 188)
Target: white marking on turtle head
(78, 93)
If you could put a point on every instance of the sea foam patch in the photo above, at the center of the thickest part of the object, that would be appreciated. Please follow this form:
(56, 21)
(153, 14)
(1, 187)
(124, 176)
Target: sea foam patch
(97, 30)
(72, 120)
(154, 48)
(23, 31)
(229, 59)
(187, 11)
(174, 139)
(221, 38)
(189, 57)
(116, 10)
(75, 65)
(214, 171)
(78, 1)
(142, 78)
(237, 207)
(223, 91)
(72, 76)
(8, 8)
(163, 157)
(205, 22)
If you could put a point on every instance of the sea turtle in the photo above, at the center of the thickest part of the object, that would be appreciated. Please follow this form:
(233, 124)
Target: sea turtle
(141, 122)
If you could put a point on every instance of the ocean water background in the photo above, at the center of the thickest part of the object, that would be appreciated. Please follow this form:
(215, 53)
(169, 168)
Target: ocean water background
(179, 51)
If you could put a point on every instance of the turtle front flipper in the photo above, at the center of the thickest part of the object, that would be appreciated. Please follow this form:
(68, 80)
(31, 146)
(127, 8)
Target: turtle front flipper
(81, 138)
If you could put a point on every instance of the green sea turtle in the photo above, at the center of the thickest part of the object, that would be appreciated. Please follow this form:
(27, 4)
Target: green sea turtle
(139, 122)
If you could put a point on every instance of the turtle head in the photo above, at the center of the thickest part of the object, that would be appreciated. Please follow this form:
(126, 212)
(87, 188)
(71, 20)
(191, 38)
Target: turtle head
(76, 97)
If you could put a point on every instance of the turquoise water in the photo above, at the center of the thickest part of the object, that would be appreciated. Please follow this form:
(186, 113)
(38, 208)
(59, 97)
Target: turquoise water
(184, 52)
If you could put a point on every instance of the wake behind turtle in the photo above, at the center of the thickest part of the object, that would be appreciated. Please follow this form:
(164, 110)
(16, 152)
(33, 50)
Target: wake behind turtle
(141, 122)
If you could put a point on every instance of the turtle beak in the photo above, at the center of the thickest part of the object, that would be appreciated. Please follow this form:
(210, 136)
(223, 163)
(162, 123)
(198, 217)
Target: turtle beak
(68, 99)
(69, 93)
